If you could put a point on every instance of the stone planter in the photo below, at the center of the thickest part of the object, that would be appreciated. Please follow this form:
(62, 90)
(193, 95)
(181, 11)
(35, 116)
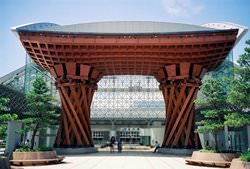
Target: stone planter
(238, 164)
(35, 158)
(4, 162)
(211, 159)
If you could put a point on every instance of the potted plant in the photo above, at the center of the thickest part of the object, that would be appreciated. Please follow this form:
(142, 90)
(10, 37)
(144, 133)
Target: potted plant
(243, 162)
(36, 156)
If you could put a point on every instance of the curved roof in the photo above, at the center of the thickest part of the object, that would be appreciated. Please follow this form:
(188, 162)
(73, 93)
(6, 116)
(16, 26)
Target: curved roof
(122, 48)
(226, 25)
(118, 27)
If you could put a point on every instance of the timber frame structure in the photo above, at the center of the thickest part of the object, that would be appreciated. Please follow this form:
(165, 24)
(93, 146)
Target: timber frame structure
(179, 87)
(177, 55)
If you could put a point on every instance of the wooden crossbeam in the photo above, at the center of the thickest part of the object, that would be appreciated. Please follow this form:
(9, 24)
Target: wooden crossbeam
(168, 113)
(165, 95)
(80, 113)
(183, 110)
(66, 129)
(71, 107)
(70, 118)
(188, 110)
(91, 91)
(85, 103)
(189, 127)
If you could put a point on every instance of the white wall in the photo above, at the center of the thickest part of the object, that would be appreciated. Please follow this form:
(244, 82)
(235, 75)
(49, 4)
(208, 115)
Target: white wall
(12, 139)
(156, 134)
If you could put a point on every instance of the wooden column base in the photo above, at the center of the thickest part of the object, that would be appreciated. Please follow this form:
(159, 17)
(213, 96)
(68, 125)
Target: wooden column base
(75, 124)
(76, 85)
(179, 84)
(180, 124)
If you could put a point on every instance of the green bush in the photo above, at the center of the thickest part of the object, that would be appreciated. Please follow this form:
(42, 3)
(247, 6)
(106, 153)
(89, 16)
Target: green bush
(23, 149)
(208, 149)
(45, 149)
(27, 149)
(245, 156)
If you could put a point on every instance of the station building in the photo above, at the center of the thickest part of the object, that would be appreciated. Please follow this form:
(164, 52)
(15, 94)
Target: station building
(130, 107)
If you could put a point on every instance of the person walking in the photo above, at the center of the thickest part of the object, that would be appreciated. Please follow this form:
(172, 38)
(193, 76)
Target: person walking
(157, 146)
(112, 144)
(119, 145)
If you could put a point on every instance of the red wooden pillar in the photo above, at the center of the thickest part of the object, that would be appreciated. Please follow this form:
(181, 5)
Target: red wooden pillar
(76, 85)
(179, 84)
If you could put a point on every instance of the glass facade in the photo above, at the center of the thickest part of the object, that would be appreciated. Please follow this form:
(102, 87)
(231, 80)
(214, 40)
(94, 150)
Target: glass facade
(225, 69)
(17, 83)
(127, 96)
(31, 72)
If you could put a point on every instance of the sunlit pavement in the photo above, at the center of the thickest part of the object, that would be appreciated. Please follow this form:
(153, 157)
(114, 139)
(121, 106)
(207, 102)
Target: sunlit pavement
(125, 160)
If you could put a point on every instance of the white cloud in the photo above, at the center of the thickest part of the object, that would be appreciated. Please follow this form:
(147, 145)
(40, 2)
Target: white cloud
(182, 8)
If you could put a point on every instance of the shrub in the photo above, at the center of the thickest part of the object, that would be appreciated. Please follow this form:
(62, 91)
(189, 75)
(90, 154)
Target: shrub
(27, 149)
(245, 156)
(45, 149)
(23, 149)
(208, 149)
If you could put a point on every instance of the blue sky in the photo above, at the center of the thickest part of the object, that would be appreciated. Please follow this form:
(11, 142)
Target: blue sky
(16, 12)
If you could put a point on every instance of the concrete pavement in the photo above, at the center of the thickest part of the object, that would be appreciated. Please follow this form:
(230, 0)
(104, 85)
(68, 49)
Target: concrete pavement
(125, 160)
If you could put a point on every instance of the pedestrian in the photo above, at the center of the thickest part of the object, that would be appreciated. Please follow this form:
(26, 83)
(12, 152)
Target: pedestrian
(119, 145)
(157, 146)
(112, 144)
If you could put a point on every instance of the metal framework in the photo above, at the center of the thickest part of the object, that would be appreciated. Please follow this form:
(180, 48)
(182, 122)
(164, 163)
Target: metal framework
(17, 103)
(78, 60)
(128, 97)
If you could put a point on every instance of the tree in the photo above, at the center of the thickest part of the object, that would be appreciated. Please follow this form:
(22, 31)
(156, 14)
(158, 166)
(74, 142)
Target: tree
(213, 106)
(5, 116)
(226, 101)
(42, 112)
(239, 95)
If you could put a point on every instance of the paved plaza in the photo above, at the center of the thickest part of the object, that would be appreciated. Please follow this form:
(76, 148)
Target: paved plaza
(125, 160)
